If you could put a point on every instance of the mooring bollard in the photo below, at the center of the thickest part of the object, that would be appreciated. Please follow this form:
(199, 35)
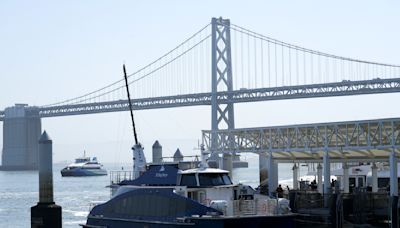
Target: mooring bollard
(46, 214)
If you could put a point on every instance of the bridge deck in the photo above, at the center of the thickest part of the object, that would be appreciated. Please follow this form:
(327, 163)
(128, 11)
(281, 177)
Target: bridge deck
(345, 88)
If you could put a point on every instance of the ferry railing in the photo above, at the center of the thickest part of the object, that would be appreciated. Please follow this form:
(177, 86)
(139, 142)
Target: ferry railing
(368, 204)
(308, 199)
(256, 207)
(359, 207)
(245, 207)
(117, 176)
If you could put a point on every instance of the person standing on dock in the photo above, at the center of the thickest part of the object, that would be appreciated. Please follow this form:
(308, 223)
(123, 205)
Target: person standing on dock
(279, 190)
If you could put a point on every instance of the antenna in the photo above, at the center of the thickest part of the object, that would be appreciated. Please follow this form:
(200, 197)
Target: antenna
(130, 105)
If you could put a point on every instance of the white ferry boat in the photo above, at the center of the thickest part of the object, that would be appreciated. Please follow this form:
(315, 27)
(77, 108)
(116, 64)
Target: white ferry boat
(84, 166)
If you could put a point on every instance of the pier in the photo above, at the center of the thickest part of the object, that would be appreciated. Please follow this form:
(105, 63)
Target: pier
(351, 142)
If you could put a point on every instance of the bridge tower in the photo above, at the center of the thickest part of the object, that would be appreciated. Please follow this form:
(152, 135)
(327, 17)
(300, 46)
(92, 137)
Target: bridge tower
(222, 115)
(21, 132)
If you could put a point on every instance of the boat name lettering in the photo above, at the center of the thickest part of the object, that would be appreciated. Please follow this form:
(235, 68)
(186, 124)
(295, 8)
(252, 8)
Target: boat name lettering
(161, 175)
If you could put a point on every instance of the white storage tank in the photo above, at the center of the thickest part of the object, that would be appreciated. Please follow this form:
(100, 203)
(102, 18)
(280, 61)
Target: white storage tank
(157, 152)
(178, 156)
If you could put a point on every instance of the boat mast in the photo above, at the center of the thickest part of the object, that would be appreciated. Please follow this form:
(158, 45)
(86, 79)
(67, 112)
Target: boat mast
(139, 160)
(130, 105)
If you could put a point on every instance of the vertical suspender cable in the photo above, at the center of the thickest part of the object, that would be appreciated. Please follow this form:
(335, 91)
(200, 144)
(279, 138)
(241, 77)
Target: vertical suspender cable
(304, 66)
(255, 62)
(276, 67)
(241, 58)
(297, 66)
(235, 59)
(327, 69)
(262, 63)
(290, 68)
(334, 69)
(319, 69)
(248, 62)
(269, 66)
(283, 67)
(312, 68)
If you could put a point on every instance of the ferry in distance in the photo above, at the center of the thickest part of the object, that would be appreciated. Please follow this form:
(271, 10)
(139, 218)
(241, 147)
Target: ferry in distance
(84, 166)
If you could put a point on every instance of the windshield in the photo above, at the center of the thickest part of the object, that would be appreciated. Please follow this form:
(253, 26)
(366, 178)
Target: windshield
(214, 179)
(188, 180)
(81, 160)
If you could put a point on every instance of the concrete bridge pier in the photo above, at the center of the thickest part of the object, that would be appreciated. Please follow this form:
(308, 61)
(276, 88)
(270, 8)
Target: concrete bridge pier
(21, 130)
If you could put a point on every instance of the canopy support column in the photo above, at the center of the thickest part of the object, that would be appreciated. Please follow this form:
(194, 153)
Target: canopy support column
(295, 177)
(319, 173)
(394, 195)
(374, 171)
(345, 178)
(273, 178)
(327, 176)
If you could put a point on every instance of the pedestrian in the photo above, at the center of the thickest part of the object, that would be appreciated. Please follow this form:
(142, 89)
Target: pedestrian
(279, 190)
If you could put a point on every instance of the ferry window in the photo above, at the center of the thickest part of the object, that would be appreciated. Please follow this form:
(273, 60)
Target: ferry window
(195, 196)
(383, 182)
(211, 179)
(226, 178)
(150, 205)
(188, 180)
(360, 182)
(202, 197)
(352, 182)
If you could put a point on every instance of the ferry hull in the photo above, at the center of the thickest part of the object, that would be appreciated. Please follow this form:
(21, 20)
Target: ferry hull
(83, 172)
(209, 222)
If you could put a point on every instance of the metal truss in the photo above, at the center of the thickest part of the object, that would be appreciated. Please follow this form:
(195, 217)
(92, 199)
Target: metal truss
(352, 141)
(345, 88)
(123, 105)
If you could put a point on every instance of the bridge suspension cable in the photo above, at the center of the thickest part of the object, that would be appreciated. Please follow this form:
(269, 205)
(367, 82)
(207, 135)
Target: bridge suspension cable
(258, 61)
(195, 43)
(268, 62)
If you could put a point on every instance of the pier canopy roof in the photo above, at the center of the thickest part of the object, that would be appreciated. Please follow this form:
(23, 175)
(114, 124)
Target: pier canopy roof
(350, 140)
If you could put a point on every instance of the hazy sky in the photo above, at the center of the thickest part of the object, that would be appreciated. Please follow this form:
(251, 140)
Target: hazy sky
(54, 50)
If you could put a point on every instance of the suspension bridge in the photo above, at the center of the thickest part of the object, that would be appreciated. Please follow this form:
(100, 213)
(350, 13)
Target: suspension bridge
(220, 65)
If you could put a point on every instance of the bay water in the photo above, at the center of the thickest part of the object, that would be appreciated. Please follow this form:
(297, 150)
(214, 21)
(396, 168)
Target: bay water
(19, 192)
